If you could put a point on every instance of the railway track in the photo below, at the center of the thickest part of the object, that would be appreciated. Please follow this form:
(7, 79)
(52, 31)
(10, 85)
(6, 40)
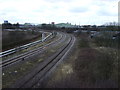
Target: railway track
(19, 48)
(22, 57)
(30, 80)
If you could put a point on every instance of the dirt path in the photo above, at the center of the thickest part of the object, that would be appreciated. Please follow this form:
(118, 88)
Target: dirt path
(85, 67)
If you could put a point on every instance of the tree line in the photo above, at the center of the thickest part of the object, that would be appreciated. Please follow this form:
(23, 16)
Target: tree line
(10, 26)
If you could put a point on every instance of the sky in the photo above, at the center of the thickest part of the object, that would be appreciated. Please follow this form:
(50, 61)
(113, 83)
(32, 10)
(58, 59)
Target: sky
(79, 12)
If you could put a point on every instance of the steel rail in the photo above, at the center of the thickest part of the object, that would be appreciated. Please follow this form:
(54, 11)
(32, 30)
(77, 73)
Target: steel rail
(31, 79)
(27, 54)
(8, 52)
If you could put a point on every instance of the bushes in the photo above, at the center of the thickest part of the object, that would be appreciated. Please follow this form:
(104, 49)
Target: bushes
(106, 40)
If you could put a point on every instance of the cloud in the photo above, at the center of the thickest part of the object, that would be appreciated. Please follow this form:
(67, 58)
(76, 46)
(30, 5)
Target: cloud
(58, 1)
(2, 13)
(8, 10)
(79, 9)
(108, 9)
(73, 11)
(107, 13)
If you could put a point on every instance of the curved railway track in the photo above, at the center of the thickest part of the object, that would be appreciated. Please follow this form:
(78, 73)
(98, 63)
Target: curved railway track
(30, 80)
(30, 53)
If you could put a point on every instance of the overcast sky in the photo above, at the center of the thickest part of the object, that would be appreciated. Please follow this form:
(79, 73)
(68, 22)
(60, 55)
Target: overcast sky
(59, 11)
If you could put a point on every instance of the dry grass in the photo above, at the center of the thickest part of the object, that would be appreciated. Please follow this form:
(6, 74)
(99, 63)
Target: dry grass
(11, 39)
(89, 68)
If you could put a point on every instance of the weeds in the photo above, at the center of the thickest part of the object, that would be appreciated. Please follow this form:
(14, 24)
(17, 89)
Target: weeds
(83, 43)
(98, 69)
(106, 40)
(91, 68)
(104, 66)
